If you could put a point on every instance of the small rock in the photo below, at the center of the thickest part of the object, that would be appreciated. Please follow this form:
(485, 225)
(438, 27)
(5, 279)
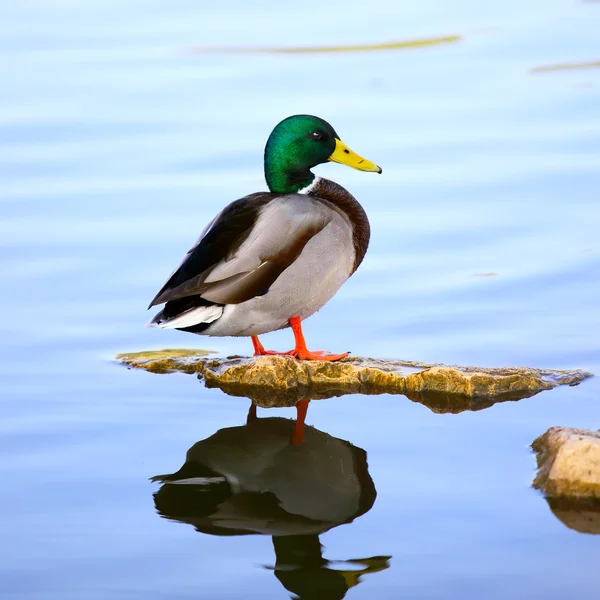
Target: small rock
(568, 463)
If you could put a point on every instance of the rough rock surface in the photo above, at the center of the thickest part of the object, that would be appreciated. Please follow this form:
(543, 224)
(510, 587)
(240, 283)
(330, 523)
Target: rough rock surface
(281, 380)
(568, 462)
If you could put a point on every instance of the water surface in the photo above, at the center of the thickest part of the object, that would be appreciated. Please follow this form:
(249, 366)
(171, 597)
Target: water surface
(119, 141)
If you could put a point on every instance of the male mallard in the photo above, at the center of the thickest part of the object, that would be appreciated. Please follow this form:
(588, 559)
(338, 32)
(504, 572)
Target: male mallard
(271, 259)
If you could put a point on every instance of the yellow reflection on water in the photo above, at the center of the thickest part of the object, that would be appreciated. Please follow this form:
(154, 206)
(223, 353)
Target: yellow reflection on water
(593, 64)
(401, 45)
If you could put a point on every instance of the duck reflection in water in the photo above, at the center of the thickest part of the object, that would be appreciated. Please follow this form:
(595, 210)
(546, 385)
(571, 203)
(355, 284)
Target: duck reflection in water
(273, 476)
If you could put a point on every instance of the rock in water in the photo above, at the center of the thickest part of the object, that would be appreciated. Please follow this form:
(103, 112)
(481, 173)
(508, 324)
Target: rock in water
(262, 378)
(568, 462)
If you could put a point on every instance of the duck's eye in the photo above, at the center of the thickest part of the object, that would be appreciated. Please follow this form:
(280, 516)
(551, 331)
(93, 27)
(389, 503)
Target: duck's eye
(316, 135)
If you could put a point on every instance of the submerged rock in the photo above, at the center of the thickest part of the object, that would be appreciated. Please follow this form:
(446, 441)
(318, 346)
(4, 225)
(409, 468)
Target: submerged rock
(283, 380)
(164, 361)
(568, 463)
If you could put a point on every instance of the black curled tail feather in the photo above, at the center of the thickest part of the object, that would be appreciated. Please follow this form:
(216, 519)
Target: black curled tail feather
(174, 308)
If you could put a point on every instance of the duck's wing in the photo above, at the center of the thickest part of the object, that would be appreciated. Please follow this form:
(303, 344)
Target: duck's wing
(246, 247)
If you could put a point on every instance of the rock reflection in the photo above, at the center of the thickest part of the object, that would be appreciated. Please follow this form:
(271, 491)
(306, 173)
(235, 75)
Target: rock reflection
(437, 402)
(582, 516)
(443, 403)
(276, 477)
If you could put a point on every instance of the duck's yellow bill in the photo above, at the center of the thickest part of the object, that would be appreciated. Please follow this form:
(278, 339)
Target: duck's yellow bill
(343, 155)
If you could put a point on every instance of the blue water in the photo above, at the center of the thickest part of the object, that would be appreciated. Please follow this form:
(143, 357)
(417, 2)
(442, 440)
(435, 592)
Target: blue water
(118, 144)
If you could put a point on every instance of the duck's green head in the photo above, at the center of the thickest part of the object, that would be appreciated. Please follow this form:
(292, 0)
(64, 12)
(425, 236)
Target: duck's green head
(298, 144)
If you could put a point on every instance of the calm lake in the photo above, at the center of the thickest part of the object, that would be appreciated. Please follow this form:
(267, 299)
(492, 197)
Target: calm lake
(125, 127)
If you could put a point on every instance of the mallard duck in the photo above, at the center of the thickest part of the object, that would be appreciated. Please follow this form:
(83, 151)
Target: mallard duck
(271, 259)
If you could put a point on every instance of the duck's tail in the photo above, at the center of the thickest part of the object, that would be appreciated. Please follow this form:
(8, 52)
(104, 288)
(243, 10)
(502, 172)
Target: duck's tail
(193, 314)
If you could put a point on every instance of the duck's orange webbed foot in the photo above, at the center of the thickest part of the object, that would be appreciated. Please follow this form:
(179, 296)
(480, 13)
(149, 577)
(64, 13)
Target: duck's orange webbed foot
(259, 349)
(302, 352)
(317, 355)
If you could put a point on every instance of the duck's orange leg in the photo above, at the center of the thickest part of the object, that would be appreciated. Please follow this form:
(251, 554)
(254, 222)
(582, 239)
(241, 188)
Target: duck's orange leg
(259, 349)
(300, 351)
(298, 435)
